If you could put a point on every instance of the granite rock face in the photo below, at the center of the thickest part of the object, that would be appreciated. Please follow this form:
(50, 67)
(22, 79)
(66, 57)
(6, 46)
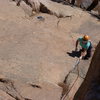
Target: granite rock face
(90, 88)
(36, 53)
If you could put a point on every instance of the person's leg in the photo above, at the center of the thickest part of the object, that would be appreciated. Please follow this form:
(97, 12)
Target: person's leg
(89, 53)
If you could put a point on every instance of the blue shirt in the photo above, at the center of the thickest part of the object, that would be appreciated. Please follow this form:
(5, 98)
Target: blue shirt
(86, 45)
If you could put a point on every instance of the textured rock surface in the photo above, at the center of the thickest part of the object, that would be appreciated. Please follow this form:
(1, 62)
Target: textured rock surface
(5, 96)
(17, 90)
(90, 88)
(35, 51)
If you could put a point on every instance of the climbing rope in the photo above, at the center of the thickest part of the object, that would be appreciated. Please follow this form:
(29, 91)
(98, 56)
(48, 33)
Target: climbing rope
(74, 67)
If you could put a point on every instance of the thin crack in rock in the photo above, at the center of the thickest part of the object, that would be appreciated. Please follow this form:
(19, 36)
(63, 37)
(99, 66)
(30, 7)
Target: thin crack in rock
(35, 86)
(75, 67)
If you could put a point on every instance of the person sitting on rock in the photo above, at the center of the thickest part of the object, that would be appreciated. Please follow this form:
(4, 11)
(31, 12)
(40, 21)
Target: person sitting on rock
(86, 45)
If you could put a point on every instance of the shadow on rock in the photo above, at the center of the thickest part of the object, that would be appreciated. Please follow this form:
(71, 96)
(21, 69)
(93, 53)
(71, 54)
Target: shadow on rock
(95, 15)
(74, 53)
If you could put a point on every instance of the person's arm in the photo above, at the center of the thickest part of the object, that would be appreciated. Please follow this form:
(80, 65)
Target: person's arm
(76, 45)
(83, 53)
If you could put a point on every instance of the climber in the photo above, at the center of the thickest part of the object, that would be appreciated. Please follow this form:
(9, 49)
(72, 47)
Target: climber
(86, 45)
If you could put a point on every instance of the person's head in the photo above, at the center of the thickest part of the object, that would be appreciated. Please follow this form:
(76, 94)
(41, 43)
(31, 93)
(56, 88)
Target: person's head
(85, 38)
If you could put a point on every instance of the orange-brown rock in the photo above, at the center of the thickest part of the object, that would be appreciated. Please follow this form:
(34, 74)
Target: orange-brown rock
(90, 88)
(5, 96)
(38, 50)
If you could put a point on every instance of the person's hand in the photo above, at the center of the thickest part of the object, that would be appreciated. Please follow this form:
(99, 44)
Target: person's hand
(80, 57)
(83, 53)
